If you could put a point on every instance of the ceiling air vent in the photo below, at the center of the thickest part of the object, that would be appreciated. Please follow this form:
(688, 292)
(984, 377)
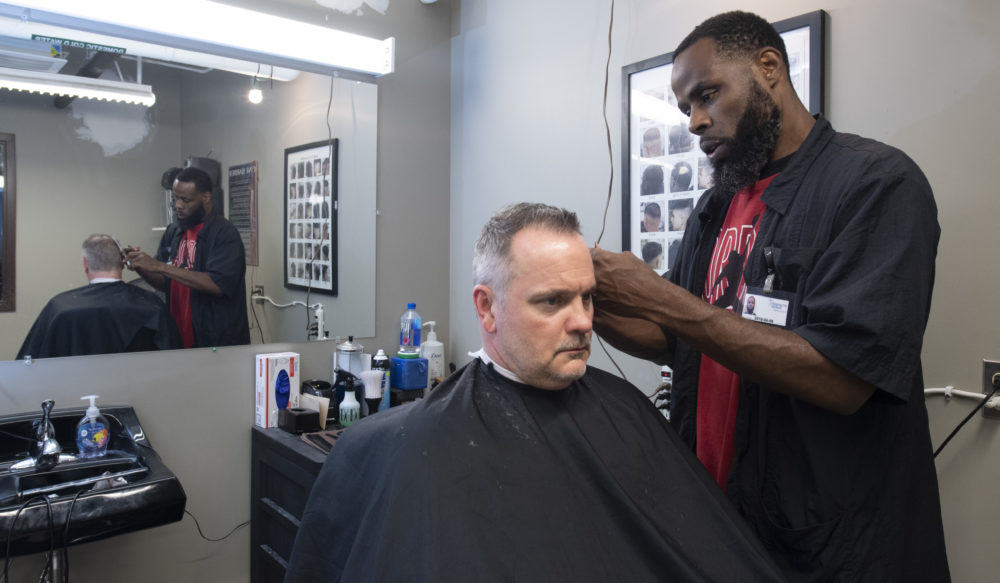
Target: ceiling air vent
(13, 57)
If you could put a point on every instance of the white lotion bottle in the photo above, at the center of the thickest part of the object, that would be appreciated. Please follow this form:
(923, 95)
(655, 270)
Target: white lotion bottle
(433, 351)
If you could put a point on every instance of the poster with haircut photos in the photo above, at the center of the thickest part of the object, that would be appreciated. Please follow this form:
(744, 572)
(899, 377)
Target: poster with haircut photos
(664, 169)
(311, 217)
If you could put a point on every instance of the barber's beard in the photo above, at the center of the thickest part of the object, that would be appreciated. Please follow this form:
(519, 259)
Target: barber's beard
(752, 146)
(192, 220)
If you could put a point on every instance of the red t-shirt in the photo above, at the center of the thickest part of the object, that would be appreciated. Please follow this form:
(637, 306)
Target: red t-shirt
(719, 387)
(180, 295)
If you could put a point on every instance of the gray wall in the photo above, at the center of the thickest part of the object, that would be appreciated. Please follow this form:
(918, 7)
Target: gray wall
(526, 125)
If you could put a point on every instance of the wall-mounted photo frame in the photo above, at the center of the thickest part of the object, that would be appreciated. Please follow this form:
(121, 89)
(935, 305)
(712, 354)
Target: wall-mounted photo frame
(664, 172)
(311, 217)
(8, 195)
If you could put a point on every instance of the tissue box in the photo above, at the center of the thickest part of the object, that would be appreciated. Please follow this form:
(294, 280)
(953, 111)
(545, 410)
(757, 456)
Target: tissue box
(277, 386)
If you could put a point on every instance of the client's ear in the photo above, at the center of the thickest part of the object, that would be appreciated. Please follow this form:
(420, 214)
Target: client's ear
(485, 302)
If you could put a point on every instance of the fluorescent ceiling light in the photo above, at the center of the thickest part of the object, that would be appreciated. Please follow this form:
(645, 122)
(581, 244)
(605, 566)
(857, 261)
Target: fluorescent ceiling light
(210, 27)
(23, 29)
(85, 87)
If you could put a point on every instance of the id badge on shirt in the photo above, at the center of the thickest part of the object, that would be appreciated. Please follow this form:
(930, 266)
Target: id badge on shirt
(772, 308)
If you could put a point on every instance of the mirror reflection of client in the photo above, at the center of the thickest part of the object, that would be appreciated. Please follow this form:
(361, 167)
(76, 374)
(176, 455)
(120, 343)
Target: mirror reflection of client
(526, 464)
(105, 316)
(200, 264)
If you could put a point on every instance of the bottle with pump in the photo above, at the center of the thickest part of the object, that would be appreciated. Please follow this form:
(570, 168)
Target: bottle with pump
(92, 433)
(409, 332)
(663, 392)
(433, 351)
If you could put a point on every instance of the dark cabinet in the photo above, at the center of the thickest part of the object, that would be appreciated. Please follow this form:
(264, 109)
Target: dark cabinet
(283, 469)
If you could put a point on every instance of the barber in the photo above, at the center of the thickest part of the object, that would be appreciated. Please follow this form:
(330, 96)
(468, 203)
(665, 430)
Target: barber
(808, 411)
(200, 264)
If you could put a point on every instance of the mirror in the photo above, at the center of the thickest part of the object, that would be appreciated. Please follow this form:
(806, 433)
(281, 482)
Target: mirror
(96, 167)
(7, 199)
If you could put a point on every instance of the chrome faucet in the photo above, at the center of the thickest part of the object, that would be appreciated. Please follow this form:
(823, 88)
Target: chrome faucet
(45, 451)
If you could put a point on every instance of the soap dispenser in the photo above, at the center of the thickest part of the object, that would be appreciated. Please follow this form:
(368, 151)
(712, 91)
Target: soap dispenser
(433, 351)
(92, 432)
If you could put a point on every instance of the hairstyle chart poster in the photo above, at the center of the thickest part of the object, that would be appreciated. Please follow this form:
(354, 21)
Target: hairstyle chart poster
(310, 211)
(668, 170)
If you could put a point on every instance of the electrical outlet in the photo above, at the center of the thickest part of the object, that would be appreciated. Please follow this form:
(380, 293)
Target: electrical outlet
(258, 290)
(991, 368)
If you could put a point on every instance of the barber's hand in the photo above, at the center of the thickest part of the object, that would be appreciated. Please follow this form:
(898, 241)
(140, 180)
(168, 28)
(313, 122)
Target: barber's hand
(625, 284)
(137, 260)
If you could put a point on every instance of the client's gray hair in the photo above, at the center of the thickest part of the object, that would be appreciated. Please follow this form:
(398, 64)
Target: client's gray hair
(491, 263)
(102, 253)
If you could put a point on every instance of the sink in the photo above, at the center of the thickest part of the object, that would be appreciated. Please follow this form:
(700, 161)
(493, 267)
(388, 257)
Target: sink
(128, 489)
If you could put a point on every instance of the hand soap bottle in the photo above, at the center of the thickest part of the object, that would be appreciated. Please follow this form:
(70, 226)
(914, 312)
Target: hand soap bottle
(92, 433)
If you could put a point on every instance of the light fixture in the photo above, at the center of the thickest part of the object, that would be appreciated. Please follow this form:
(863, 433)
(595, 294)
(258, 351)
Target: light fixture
(255, 95)
(28, 31)
(73, 86)
(210, 27)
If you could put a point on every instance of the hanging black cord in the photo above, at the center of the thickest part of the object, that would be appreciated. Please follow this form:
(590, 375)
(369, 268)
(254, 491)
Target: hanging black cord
(214, 540)
(65, 541)
(607, 127)
(996, 385)
(10, 532)
(611, 161)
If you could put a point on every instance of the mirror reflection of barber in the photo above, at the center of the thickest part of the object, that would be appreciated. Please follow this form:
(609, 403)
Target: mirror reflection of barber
(200, 265)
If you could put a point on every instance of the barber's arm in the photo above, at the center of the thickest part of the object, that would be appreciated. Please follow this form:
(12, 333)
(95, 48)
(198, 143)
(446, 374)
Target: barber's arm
(159, 274)
(629, 291)
(636, 336)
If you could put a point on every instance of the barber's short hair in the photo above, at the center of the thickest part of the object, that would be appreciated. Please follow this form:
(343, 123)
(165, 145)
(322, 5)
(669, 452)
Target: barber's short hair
(491, 262)
(736, 34)
(652, 209)
(202, 181)
(101, 253)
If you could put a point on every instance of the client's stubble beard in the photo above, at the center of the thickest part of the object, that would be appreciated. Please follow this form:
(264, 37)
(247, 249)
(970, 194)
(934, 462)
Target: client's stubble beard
(752, 145)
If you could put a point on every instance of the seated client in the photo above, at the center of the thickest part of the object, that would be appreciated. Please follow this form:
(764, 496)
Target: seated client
(105, 316)
(526, 464)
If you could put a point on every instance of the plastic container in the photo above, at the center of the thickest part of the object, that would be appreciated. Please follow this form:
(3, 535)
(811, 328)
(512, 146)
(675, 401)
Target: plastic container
(350, 355)
(409, 332)
(381, 362)
(350, 409)
(92, 433)
(433, 351)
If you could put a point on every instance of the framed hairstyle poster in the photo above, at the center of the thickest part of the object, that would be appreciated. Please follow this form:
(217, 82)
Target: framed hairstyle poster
(311, 217)
(664, 172)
